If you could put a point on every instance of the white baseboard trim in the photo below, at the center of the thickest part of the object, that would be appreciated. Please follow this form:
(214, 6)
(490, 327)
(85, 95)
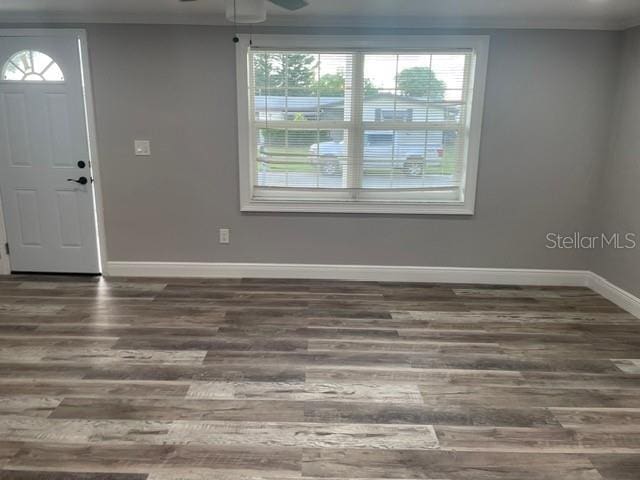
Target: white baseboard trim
(498, 276)
(615, 294)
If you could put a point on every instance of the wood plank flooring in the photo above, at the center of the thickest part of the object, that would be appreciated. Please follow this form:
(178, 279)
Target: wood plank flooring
(189, 379)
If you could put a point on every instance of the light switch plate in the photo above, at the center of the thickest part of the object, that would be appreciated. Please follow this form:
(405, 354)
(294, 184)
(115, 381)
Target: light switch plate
(142, 147)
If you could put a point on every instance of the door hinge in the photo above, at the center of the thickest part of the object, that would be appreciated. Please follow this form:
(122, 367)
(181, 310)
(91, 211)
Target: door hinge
(6, 248)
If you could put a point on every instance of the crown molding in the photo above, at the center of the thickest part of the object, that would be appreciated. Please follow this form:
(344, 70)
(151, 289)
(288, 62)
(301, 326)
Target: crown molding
(631, 23)
(398, 22)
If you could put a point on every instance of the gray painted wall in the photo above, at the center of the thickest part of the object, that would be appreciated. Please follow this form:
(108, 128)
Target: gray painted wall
(619, 191)
(545, 131)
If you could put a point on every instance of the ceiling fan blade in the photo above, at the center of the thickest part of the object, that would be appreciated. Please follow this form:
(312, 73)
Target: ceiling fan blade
(290, 4)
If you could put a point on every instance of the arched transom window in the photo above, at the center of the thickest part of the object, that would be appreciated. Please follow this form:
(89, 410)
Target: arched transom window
(31, 66)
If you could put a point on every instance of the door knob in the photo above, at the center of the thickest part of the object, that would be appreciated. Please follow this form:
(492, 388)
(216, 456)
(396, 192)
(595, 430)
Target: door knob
(81, 180)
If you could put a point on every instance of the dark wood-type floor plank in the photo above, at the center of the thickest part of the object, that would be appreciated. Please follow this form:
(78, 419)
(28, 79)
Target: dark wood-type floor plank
(258, 379)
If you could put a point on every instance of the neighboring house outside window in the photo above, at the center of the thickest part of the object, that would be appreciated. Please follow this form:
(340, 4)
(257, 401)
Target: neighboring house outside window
(386, 115)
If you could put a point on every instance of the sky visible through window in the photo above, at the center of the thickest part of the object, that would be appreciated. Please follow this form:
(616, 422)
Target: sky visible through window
(382, 69)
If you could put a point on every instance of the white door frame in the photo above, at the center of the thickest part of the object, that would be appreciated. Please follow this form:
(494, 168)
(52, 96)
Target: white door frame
(5, 266)
(85, 71)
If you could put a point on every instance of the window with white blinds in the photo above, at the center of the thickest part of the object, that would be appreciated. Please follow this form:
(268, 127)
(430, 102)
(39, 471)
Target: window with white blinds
(357, 127)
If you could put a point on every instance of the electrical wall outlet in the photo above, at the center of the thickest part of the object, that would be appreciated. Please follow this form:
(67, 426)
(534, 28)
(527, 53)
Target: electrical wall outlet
(142, 148)
(224, 235)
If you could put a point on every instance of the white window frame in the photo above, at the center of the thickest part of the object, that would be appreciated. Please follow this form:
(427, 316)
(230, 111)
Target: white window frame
(247, 137)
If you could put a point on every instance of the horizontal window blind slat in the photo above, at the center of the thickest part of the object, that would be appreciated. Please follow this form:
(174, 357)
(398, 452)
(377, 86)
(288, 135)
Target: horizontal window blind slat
(442, 188)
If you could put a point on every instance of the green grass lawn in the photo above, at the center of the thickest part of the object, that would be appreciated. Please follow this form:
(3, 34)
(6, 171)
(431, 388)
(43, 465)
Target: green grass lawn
(290, 159)
(292, 167)
(295, 159)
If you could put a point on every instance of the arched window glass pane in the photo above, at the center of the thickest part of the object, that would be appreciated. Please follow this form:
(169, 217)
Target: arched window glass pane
(31, 66)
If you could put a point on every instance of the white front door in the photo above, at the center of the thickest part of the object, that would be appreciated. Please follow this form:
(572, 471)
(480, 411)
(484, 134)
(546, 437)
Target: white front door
(45, 173)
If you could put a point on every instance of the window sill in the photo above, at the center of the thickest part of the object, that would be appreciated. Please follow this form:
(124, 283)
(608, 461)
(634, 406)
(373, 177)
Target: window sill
(362, 207)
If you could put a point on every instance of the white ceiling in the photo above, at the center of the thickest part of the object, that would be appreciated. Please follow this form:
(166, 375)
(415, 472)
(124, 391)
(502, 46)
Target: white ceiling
(614, 14)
